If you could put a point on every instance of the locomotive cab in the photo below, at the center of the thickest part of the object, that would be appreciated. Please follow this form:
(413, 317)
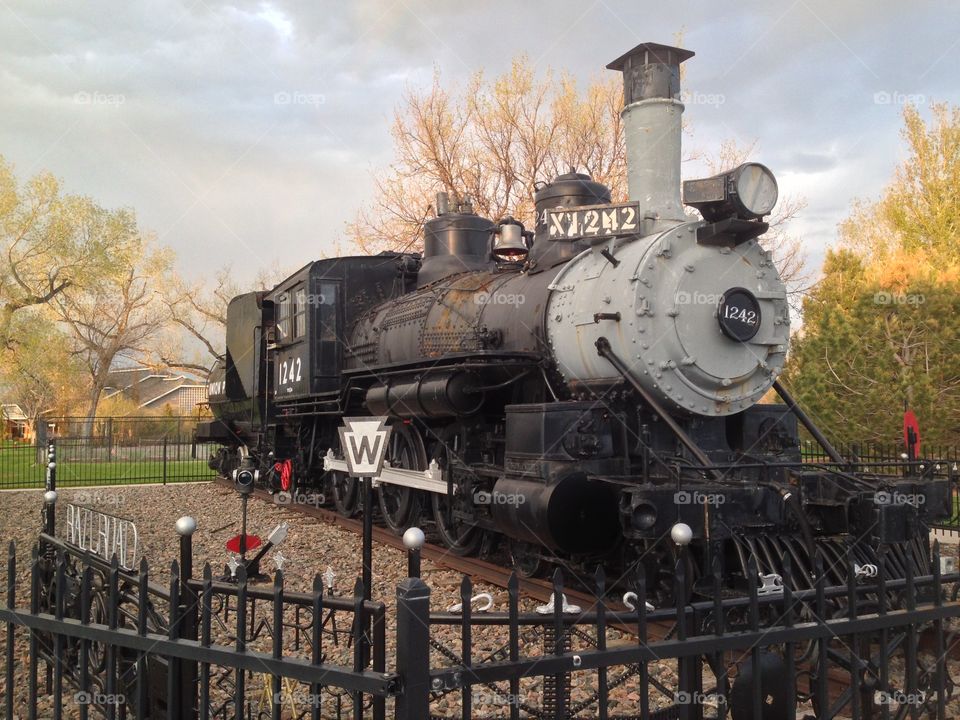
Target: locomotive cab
(315, 305)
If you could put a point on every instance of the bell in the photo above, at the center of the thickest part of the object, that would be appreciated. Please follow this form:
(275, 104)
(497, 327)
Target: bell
(510, 245)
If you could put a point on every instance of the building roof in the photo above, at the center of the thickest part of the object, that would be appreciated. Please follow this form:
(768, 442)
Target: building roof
(148, 388)
(13, 412)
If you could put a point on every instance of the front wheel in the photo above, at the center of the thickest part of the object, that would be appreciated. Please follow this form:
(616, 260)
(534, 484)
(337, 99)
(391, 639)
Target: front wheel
(526, 559)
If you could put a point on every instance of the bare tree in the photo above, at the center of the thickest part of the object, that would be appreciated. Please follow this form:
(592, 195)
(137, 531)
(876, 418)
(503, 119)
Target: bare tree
(199, 311)
(492, 143)
(117, 318)
(498, 138)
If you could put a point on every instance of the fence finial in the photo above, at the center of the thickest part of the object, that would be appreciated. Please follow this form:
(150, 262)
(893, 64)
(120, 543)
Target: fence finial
(186, 525)
(681, 534)
(413, 540)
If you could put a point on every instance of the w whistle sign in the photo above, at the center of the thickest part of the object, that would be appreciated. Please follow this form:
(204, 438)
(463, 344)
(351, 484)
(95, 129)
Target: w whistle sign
(364, 442)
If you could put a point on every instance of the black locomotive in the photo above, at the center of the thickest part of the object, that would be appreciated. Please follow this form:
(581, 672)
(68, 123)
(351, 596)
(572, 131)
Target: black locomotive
(586, 391)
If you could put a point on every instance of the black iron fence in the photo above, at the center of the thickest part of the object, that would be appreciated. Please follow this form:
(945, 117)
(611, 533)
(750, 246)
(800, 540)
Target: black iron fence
(111, 641)
(941, 461)
(876, 454)
(108, 451)
(116, 642)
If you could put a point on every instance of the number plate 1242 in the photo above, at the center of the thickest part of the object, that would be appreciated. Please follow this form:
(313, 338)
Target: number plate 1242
(597, 221)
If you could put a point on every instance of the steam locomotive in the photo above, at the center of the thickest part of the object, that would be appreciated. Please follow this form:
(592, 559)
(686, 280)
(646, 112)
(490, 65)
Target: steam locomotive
(586, 391)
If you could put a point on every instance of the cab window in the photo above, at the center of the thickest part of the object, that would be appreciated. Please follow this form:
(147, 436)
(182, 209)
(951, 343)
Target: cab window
(284, 313)
(299, 313)
(327, 343)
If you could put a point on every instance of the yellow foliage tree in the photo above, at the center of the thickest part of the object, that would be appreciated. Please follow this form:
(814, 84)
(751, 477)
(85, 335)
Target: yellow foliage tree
(882, 328)
(50, 242)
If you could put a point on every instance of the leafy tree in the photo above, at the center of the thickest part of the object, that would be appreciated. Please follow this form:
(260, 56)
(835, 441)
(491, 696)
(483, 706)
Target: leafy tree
(882, 328)
(39, 372)
(51, 242)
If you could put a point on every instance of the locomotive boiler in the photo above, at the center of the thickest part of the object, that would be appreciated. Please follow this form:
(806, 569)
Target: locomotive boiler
(573, 393)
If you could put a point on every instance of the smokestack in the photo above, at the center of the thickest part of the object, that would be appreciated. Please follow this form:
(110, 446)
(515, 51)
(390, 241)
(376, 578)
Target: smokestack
(651, 122)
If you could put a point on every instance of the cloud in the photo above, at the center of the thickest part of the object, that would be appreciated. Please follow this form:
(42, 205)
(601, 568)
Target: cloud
(245, 131)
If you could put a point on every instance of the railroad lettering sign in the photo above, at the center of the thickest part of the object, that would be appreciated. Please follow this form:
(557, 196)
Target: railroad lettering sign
(364, 442)
(102, 534)
(597, 221)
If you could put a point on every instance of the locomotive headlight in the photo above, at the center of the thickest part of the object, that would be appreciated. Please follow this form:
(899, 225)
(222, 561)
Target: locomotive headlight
(748, 192)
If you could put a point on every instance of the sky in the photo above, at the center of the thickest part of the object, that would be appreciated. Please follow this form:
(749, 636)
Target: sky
(247, 133)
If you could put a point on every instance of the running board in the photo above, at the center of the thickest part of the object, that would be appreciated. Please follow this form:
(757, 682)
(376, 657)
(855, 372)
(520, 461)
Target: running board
(430, 480)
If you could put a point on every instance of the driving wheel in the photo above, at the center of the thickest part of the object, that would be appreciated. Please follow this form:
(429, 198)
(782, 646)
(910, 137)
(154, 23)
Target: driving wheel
(401, 506)
(455, 517)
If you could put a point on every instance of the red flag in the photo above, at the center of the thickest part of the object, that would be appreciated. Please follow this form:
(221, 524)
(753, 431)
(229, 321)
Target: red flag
(910, 424)
(233, 544)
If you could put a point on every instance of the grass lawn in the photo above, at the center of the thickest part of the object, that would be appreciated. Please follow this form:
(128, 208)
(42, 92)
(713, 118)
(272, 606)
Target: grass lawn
(19, 468)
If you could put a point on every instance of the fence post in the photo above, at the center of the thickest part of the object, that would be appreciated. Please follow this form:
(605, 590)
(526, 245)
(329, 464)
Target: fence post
(40, 439)
(50, 512)
(164, 459)
(51, 466)
(187, 613)
(50, 495)
(688, 667)
(413, 639)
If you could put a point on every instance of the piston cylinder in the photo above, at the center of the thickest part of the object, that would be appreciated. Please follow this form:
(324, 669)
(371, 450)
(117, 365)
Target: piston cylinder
(570, 514)
(445, 394)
